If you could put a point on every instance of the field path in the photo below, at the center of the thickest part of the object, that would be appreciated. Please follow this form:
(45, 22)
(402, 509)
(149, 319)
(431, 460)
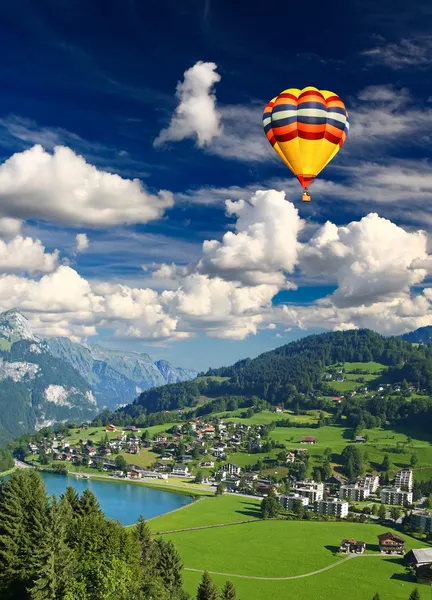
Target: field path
(294, 576)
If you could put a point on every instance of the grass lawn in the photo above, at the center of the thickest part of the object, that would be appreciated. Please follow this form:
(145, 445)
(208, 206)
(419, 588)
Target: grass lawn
(422, 474)
(289, 548)
(212, 511)
(369, 367)
(145, 458)
(97, 434)
(357, 579)
(267, 416)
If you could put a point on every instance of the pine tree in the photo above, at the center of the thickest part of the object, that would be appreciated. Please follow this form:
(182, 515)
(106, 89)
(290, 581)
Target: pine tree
(58, 561)
(89, 504)
(229, 592)
(72, 497)
(169, 564)
(206, 589)
(415, 595)
(142, 534)
(376, 597)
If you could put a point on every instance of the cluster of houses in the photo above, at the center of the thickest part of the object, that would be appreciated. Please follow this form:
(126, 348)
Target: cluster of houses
(420, 560)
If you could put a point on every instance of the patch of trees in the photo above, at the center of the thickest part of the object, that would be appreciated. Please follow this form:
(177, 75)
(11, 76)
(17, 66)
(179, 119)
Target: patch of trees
(65, 549)
(6, 460)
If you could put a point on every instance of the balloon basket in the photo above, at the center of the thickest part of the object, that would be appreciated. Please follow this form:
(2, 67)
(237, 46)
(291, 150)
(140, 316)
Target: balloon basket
(306, 196)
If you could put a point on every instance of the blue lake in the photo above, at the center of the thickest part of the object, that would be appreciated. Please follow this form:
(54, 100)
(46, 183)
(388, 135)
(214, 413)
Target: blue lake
(124, 502)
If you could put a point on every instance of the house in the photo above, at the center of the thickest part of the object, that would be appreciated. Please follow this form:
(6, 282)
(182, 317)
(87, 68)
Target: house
(369, 480)
(84, 426)
(91, 451)
(231, 468)
(135, 473)
(422, 520)
(328, 377)
(161, 437)
(209, 430)
(111, 428)
(290, 457)
(340, 378)
(352, 547)
(396, 496)
(231, 484)
(359, 439)
(309, 440)
(354, 492)
(121, 437)
(278, 409)
(131, 428)
(106, 452)
(424, 574)
(404, 479)
(167, 456)
(333, 507)
(208, 464)
(186, 458)
(422, 556)
(337, 399)
(390, 543)
(181, 471)
(33, 448)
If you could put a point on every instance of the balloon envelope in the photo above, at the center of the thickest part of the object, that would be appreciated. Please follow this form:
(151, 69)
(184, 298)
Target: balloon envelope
(306, 128)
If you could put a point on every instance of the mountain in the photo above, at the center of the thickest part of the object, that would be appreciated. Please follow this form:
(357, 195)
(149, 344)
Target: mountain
(293, 373)
(36, 388)
(423, 335)
(116, 377)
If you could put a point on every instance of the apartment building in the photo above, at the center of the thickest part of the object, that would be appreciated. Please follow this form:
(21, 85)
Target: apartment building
(354, 492)
(370, 481)
(404, 479)
(396, 496)
(310, 489)
(334, 508)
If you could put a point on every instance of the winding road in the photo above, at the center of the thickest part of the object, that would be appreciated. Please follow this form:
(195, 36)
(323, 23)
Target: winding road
(295, 576)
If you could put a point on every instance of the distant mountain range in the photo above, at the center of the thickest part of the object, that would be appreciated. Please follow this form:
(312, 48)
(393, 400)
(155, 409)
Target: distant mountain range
(423, 335)
(43, 381)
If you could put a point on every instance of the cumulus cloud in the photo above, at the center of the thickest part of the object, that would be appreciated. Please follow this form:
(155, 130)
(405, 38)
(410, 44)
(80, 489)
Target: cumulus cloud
(379, 270)
(371, 260)
(25, 255)
(63, 188)
(264, 244)
(407, 53)
(196, 115)
(82, 242)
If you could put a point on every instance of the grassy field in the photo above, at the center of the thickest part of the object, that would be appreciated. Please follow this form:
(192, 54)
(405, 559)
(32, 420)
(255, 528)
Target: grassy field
(290, 548)
(371, 368)
(145, 458)
(212, 511)
(267, 416)
(97, 434)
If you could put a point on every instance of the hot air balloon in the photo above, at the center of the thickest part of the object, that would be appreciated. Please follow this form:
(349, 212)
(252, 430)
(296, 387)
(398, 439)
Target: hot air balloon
(306, 128)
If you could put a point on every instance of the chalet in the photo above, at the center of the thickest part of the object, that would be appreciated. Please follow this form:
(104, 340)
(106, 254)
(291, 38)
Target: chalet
(352, 547)
(359, 439)
(337, 399)
(111, 428)
(218, 453)
(91, 451)
(290, 457)
(181, 471)
(250, 477)
(424, 574)
(107, 452)
(208, 464)
(84, 426)
(278, 409)
(328, 377)
(390, 543)
(231, 484)
(309, 440)
(340, 378)
(158, 466)
(193, 425)
(121, 437)
(135, 473)
(33, 448)
(209, 430)
(131, 428)
(186, 458)
(422, 556)
(161, 437)
(167, 456)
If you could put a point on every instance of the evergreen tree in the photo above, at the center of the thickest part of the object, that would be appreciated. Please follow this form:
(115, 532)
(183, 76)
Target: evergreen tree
(220, 490)
(415, 595)
(168, 564)
(229, 592)
(386, 463)
(382, 511)
(89, 504)
(72, 497)
(58, 562)
(143, 536)
(206, 589)
(376, 597)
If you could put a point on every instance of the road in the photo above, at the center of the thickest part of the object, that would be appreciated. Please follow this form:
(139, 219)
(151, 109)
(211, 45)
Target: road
(295, 576)
(22, 465)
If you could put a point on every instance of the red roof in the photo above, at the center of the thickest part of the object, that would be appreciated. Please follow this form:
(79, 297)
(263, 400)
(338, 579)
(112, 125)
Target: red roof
(309, 439)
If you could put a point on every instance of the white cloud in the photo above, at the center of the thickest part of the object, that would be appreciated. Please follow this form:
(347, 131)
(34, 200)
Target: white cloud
(196, 115)
(82, 242)
(408, 53)
(63, 188)
(264, 244)
(25, 255)
(10, 227)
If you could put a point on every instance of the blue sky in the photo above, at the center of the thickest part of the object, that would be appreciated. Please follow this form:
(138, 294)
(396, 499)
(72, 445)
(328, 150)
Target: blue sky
(98, 79)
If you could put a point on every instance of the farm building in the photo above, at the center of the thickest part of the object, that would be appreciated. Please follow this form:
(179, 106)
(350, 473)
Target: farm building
(390, 543)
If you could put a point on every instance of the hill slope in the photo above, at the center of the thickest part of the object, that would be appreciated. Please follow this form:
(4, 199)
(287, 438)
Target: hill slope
(423, 335)
(296, 368)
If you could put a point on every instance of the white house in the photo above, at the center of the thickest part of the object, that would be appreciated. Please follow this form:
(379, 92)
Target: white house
(231, 468)
(181, 471)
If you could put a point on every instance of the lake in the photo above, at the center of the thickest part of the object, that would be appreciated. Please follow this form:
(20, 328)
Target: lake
(122, 501)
